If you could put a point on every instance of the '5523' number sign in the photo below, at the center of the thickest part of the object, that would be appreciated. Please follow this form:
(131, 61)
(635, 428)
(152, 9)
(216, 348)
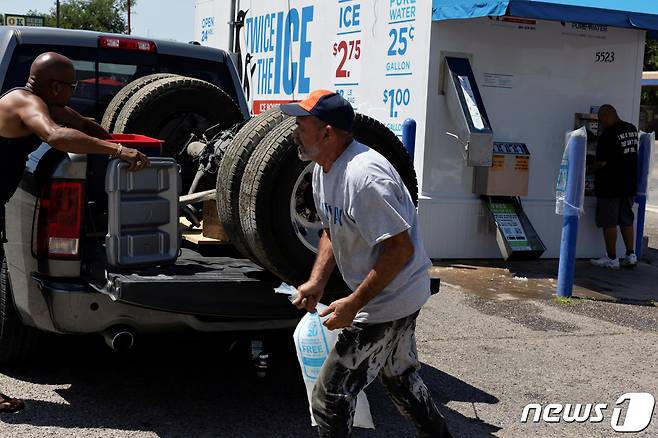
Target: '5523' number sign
(604, 57)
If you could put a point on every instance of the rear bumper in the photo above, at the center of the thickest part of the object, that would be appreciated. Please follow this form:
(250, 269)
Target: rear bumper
(77, 308)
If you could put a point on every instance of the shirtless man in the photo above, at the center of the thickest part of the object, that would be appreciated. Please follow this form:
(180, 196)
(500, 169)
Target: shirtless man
(39, 113)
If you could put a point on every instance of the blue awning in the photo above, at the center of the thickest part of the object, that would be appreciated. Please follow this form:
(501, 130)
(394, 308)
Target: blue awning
(635, 14)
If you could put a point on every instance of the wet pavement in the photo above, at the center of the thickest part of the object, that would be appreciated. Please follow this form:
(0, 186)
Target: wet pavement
(537, 279)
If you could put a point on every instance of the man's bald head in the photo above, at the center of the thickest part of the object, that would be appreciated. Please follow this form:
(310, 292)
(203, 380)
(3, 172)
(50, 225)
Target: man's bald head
(607, 116)
(51, 77)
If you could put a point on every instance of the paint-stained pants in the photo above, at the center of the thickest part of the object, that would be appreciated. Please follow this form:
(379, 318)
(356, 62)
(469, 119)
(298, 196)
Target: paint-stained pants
(362, 352)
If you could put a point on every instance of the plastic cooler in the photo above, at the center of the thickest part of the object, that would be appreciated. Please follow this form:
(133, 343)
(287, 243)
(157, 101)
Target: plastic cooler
(151, 147)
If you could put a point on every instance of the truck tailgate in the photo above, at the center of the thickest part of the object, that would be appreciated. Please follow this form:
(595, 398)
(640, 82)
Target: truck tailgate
(205, 286)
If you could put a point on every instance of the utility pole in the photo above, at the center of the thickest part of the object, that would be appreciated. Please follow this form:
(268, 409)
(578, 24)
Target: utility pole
(57, 13)
(129, 2)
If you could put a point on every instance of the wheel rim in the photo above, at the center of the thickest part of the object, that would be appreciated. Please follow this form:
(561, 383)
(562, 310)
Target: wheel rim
(176, 132)
(303, 215)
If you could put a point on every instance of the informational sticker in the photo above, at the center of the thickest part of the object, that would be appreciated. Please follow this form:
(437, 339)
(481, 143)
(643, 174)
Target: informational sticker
(521, 162)
(498, 80)
(510, 225)
(514, 22)
(584, 30)
(469, 96)
(498, 162)
(511, 148)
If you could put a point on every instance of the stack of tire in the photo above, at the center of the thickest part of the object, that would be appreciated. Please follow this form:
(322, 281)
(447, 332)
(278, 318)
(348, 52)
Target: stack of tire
(264, 193)
(263, 190)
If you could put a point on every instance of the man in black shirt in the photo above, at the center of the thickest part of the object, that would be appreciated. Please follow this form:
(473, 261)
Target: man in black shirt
(40, 112)
(615, 184)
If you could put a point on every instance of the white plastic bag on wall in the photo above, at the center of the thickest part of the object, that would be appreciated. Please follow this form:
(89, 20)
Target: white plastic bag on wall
(572, 203)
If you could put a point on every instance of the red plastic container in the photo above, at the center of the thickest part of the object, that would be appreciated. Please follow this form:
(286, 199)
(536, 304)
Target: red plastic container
(150, 146)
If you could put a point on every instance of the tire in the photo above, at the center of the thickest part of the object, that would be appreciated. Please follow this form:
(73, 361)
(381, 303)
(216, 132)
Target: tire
(277, 212)
(119, 100)
(16, 339)
(231, 169)
(171, 109)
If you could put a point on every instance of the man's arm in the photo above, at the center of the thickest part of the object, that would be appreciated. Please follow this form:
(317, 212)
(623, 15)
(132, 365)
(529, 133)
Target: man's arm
(602, 155)
(397, 251)
(311, 292)
(34, 114)
(70, 118)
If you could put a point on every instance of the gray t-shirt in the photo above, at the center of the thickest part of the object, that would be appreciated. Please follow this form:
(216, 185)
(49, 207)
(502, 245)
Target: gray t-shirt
(363, 201)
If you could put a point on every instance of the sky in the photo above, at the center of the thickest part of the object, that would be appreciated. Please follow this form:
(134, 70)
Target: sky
(164, 19)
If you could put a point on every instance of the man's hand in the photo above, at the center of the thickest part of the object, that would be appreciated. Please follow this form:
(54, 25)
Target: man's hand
(135, 159)
(309, 295)
(344, 311)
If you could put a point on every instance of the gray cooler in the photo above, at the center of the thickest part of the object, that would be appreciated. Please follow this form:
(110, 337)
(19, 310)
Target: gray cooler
(143, 213)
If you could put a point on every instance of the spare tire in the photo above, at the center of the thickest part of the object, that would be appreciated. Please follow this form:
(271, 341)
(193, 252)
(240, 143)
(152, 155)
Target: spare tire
(277, 213)
(231, 169)
(171, 109)
(118, 101)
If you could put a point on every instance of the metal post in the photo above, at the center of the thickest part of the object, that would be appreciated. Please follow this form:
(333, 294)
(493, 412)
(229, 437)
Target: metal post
(57, 12)
(643, 160)
(409, 136)
(129, 1)
(575, 186)
(231, 26)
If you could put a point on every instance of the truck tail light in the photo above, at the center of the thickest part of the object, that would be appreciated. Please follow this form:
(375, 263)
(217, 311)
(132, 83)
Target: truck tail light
(59, 220)
(108, 42)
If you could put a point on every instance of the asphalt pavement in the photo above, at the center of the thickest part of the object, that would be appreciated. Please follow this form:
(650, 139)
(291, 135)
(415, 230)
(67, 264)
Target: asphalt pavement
(489, 348)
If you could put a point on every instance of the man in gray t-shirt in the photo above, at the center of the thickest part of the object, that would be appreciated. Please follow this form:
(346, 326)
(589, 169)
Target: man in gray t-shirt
(371, 234)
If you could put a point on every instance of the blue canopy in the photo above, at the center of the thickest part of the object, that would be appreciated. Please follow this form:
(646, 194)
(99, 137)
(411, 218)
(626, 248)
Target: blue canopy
(636, 14)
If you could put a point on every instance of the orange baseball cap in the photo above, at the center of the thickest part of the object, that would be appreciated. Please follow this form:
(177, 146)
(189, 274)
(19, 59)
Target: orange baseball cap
(328, 106)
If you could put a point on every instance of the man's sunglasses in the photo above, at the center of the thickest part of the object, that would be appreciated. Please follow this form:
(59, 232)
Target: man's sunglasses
(73, 85)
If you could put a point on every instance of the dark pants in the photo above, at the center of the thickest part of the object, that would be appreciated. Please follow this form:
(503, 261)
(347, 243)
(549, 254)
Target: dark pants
(362, 352)
(611, 212)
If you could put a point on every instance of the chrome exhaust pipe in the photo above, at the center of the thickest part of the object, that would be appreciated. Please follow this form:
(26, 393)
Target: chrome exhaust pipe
(119, 338)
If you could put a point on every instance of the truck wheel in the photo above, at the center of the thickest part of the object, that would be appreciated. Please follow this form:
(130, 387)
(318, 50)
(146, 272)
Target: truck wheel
(277, 211)
(16, 339)
(231, 170)
(172, 109)
(119, 99)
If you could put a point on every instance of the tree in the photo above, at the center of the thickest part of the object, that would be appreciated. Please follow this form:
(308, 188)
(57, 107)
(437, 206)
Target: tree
(649, 95)
(98, 15)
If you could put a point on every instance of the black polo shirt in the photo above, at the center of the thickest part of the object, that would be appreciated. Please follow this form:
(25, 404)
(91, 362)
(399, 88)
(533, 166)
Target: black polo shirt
(617, 146)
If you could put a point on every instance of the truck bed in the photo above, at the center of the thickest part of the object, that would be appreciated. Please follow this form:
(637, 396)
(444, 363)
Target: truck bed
(218, 286)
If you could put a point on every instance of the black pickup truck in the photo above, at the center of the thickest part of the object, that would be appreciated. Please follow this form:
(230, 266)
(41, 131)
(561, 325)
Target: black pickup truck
(62, 201)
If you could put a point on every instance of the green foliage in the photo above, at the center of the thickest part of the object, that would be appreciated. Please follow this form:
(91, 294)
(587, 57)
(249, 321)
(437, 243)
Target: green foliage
(651, 55)
(98, 15)
(564, 300)
(650, 95)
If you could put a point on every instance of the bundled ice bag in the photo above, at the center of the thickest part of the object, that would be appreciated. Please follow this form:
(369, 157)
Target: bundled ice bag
(314, 342)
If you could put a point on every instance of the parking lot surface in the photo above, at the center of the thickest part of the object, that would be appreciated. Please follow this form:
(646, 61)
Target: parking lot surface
(491, 342)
